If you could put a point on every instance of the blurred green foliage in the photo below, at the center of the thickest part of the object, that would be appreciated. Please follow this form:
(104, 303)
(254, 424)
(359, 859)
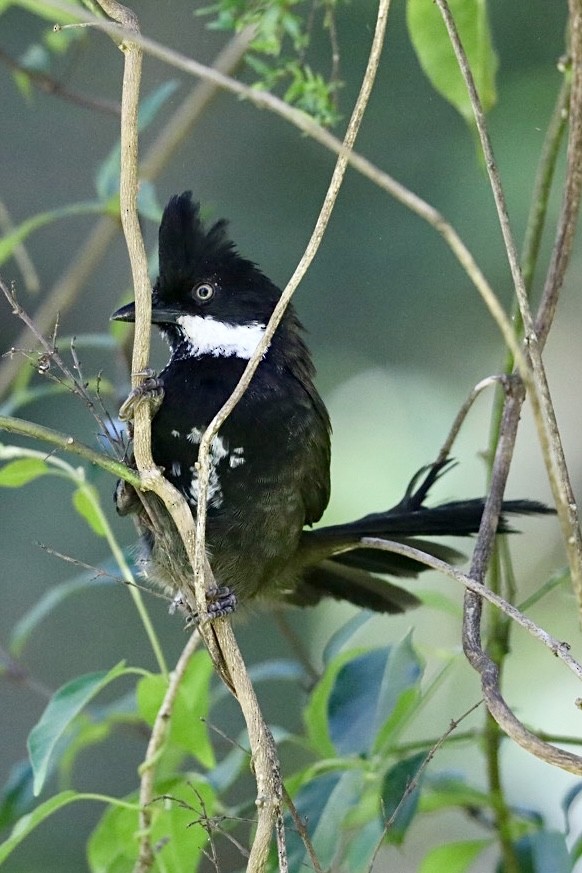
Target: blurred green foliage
(384, 294)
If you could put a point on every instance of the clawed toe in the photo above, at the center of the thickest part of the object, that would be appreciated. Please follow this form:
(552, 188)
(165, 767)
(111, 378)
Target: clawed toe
(220, 602)
(151, 389)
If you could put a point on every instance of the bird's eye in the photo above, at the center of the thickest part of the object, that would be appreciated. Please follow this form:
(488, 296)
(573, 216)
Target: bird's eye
(203, 292)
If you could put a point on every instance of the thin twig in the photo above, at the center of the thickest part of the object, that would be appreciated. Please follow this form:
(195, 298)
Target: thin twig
(67, 443)
(76, 385)
(542, 407)
(486, 668)
(270, 790)
(415, 780)
(562, 250)
(158, 736)
(50, 85)
(481, 386)
(557, 647)
(262, 745)
(302, 831)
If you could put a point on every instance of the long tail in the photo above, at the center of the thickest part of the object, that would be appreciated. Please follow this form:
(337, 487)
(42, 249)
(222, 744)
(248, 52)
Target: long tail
(339, 567)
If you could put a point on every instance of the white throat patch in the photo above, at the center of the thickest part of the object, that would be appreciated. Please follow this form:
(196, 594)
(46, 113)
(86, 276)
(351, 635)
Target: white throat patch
(206, 336)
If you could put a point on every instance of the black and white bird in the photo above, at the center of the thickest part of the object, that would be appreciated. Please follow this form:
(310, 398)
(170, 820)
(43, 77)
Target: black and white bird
(270, 461)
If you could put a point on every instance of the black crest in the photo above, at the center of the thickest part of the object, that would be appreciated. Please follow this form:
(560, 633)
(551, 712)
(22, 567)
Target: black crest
(190, 252)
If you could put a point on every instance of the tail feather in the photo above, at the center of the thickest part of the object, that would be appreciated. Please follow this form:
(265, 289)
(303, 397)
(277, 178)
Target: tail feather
(337, 566)
(329, 579)
(458, 518)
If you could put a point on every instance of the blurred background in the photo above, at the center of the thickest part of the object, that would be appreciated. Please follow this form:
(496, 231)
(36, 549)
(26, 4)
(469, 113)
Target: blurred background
(398, 334)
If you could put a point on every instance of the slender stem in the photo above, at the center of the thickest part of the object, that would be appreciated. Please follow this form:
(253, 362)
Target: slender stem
(559, 648)
(539, 393)
(134, 591)
(159, 734)
(535, 227)
(77, 476)
(503, 817)
(498, 625)
(70, 444)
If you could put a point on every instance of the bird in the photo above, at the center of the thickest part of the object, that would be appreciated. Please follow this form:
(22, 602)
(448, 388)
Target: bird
(270, 461)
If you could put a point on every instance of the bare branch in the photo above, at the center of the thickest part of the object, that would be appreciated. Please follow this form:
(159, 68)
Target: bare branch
(67, 443)
(483, 664)
(544, 414)
(49, 85)
(562, 250)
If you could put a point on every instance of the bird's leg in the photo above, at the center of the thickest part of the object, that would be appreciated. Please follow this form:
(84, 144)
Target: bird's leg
(151, 389)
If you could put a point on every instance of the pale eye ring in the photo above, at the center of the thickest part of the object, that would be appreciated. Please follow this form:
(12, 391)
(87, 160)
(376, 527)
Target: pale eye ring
(203, 292)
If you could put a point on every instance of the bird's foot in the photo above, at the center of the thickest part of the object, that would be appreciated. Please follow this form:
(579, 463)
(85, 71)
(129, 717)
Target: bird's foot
(220, 602)
(151, 389)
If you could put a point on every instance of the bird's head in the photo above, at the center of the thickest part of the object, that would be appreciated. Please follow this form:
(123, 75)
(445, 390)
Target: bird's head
(207, 300)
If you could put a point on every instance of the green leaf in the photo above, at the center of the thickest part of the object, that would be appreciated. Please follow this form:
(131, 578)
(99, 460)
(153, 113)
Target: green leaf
(371, 695)
(152, 104)
(315, 713)
(48, 10)
(25, 825)
(444, 792)
(345, 634)
(542, 852)
(435, 53)
(23, 82)
(179, 840)
(16, 797)
(62, 708)
(453, 857)
(399, 693)
(352, 703)
(86, 502)
(323, 803)
(147, 202)
(107, 178)
(395, 785)
(22, 471)
(9, 242)
(187, 729)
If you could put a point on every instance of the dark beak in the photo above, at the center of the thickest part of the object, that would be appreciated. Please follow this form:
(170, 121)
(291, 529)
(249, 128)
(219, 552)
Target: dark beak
(125, 313)
(160, 314)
